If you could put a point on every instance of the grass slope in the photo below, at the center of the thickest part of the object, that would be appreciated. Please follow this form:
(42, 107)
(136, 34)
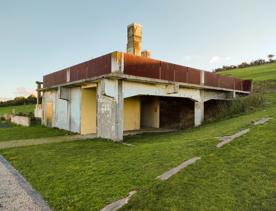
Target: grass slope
(87, 175)
(257, 73)
(21, 108)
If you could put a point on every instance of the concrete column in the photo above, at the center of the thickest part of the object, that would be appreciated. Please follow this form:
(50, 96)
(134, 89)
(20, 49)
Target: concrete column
(110, 110)
(38, 90)
(199, 110)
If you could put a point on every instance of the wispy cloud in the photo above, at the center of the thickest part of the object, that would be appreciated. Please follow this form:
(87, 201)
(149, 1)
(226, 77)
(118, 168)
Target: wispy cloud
(219, 59)
(22, 91)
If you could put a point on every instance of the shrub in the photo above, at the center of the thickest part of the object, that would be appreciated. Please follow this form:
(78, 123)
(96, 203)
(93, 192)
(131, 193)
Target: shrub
(236, 107)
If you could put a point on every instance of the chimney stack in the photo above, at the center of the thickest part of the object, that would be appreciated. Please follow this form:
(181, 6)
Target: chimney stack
(146, 53)
(134, 39)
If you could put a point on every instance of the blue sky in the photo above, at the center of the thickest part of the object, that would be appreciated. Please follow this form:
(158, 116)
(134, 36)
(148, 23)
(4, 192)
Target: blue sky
(38, 37)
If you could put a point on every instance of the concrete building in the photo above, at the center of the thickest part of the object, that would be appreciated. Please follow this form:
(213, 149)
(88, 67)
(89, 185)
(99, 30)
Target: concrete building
(121, 92)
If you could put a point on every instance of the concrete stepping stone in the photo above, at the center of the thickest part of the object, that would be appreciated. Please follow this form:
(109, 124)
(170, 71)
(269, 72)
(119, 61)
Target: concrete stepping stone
(118, 204)
(262, 121)
(227, 139)
(175, 170)
(129, 145)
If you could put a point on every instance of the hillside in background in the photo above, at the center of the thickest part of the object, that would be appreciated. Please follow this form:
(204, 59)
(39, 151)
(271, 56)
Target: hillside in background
(257, 73)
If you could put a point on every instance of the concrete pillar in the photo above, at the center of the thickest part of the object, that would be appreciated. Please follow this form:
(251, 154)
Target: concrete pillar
(38, 88)
(199, 110)
(134, 39)
(110, 111)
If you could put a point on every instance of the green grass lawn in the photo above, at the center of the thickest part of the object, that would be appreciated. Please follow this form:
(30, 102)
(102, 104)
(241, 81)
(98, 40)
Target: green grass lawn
(36, 131)
(87, 175)
(258, 73)
(21, 108)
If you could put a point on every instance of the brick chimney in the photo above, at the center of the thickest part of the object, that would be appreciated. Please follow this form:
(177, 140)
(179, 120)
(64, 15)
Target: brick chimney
(134, 39)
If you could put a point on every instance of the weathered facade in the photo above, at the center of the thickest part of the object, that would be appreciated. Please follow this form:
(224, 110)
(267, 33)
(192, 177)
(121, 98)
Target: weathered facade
(126, 91)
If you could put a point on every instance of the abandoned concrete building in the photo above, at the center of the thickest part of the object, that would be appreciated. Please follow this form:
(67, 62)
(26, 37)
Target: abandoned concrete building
(121, 92)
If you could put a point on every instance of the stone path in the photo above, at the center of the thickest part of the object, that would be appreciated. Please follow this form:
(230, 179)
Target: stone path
(226, 139)
(16, 193)
(262, 121)
(118, 204)
(175, 170)
(38, 141)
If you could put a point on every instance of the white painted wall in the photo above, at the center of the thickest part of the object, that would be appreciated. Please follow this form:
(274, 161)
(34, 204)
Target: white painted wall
(62, 115)
(75, 109)
(49, 97)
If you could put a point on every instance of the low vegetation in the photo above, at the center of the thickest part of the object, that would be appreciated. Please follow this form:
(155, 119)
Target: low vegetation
(17, 109)
(30, 100)
(228, 109)
(254, 63)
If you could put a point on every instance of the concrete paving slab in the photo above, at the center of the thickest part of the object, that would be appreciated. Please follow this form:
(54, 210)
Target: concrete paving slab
(262, 121)
(118, 204)
(16, 193)
(227, 139)
(175, 170)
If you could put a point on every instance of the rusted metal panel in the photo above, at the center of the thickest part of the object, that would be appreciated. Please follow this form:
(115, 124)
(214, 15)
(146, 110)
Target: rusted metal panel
(210, 79)
(55, 78)
(193, 76)
(99, 66)
(226, 82)
(181, 73)
(95, 67)
(238, 84)
(167, 71)
(144, 67)
(141, 66)
(247, 85)
(78, 72)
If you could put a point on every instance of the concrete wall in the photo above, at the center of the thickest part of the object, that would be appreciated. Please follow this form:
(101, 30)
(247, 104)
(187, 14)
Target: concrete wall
(48, 106)
(150, 112)
(131, 89)
(21, 120)
(132, 107)
(110, 110)
(176, 112)
(88, 111)
(38, 112)
(62, 114)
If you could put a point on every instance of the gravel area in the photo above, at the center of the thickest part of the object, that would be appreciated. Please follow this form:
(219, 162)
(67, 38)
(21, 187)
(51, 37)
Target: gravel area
(16, 194)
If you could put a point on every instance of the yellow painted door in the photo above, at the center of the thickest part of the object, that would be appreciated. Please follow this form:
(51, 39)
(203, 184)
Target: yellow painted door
(49, 114)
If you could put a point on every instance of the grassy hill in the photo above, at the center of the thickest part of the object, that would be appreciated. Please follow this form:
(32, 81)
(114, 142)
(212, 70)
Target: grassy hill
(87, 175)
(257, 73)
(21, 109)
